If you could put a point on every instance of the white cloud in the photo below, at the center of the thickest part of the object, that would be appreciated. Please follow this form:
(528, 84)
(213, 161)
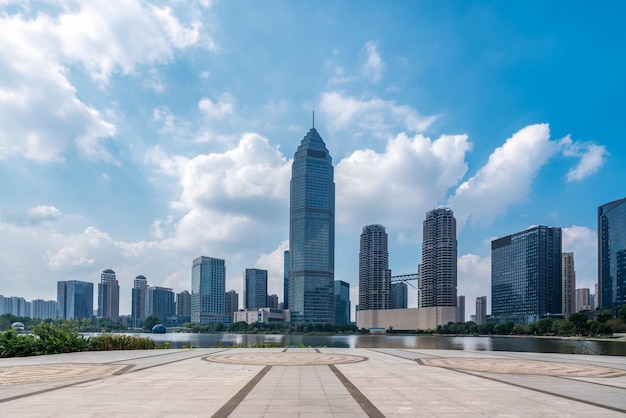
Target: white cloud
(218, 110)
(376, 117)
(373, 66)
(41, 116)
(390, 188)
(591, 158)
(507, 176)
(34, 217)
(274, 263)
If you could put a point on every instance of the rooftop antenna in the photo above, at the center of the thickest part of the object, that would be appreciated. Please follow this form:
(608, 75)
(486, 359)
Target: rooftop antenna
(314, 119)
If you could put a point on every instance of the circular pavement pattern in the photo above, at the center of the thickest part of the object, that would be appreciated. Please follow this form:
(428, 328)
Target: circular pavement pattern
(518, 366)
(42, 373)
(285, 359)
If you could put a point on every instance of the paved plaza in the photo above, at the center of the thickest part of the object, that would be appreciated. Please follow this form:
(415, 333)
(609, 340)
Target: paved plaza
(309, 382)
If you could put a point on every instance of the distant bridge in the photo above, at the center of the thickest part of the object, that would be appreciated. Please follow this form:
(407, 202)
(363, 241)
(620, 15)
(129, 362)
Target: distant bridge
(406, 278)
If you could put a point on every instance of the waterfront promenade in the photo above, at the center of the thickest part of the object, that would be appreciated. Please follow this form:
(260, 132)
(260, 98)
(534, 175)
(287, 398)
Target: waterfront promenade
(308, 382)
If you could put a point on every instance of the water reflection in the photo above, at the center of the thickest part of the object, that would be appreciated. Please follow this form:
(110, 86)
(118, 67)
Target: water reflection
(432, 342)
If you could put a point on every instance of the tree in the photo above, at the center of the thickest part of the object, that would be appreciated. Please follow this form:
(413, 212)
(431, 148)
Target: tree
(622, 313)
(150, 322)
(603, 316)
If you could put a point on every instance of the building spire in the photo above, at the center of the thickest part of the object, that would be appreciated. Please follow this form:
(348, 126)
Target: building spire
(314, 119)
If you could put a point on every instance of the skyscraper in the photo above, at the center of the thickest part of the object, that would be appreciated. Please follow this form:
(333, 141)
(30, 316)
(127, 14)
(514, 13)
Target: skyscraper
(460, 308)
(312, 233)
(255, 289)
(183, 306)
(74, 299)
(208, 279)
(481, 310)
(109, 296)
(583, 301)
(569, 284)
(399, 295)
(526, 274)
(342, 302)
(438, 273)
(138, 300)
(612, 254)
(160, 302)
(286, 280)
(231, 304)
(374, 273)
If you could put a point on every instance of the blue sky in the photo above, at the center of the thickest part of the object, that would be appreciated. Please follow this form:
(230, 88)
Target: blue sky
(139, 137)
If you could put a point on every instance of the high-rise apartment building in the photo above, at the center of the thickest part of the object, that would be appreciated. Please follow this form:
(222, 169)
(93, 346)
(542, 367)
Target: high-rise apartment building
(481, 310)
(526, 275)
(399, 295)
(108, 296)
(569, 285)
(74, 299)
(583, 300)
(183, 306)
(43, 309)
(460, 308)
(612, 254)
(138, 300)
(438, 272)
(312, 233)
(374, 273)
(208, 279)
(272, 301)
(254, 289)
(342, 302)
(231, 303)
(160, 302)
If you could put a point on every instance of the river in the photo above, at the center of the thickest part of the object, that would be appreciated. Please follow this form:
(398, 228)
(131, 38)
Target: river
(511, 343)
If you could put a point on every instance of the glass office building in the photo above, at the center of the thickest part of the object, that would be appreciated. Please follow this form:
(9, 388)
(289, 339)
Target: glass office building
(208, 279)
(526, 275)
(374, 273)
(312, 233)
(255, 289)
(612, 254)
(342, 302)
(74, 299)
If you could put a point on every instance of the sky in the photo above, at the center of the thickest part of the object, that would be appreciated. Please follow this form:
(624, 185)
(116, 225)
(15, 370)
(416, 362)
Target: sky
(139, 135)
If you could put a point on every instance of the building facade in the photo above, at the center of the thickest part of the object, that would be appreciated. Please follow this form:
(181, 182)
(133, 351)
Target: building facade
(481, 310)
(43, 309)
(208, 279)
(74, 300)
(612, 254)
(254, 289)
(138, 300)
(286, 280)
(342, 302)
(312, 233)
(569, 285)
(374, 273)
(438, 270)
(109, 296)
(231, 303)
(399, 295)
(526, 275)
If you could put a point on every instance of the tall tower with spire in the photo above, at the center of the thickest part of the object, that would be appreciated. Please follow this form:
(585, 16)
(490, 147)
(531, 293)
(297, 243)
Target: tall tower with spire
(312, 233)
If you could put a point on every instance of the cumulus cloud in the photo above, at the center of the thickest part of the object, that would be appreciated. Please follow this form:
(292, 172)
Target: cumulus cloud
(407, 178)
(373, 66)
(474, 280)
(591, 158)
(507, 176)
(218, 110)
(275, 266)
(35, 216)
(376, 117)
(41, 115)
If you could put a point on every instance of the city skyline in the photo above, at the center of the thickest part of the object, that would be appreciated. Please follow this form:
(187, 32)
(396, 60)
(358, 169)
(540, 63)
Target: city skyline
(139, 156)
